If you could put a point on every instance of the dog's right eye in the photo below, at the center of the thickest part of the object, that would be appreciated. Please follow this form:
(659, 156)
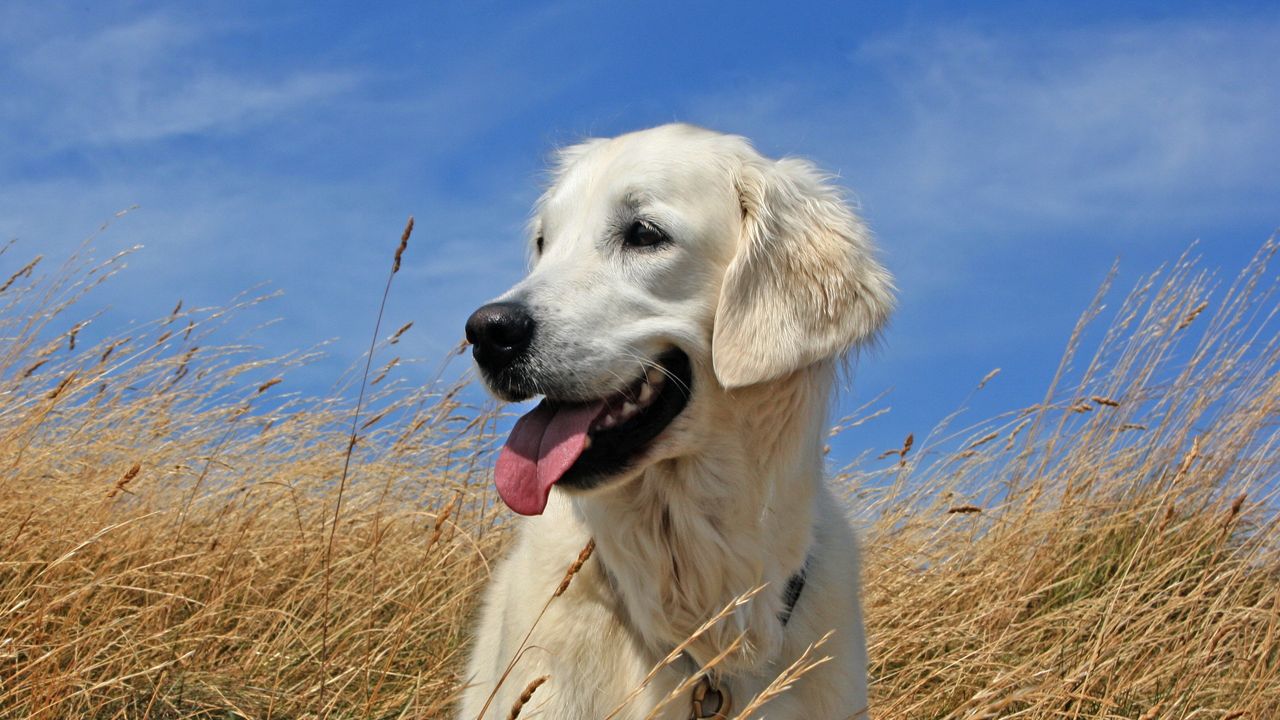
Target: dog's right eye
(538, 242)
(643, 235)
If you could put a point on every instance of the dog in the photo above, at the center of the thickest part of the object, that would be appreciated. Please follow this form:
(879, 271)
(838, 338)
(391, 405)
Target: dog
(684, 319)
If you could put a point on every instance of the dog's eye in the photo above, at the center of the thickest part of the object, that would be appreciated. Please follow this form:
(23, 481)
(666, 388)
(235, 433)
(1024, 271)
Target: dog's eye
(538, 243)
(642, 234)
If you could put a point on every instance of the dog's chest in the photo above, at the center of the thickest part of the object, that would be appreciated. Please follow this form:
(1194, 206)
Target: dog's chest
(597, 668)
(596, 661)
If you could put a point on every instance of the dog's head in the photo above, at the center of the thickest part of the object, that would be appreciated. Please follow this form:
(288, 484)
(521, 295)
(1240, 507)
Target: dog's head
(667, 264)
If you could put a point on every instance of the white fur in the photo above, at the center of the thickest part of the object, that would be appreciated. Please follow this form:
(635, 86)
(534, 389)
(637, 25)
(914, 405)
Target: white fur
(768, 280)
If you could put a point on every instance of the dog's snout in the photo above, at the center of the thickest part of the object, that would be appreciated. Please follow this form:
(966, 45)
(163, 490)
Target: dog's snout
(498, 333)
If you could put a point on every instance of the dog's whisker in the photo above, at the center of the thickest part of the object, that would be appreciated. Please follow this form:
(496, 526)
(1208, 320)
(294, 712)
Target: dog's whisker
(647, 364)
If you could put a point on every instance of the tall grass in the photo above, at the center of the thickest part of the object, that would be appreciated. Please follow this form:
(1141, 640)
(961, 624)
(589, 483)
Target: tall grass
(165, 516)
(167, 503)
(1110, 552)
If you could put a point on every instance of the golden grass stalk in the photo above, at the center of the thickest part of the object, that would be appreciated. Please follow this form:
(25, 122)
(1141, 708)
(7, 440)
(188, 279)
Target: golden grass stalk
(569, 574)
(789, 675)
(679, 650)
(346, 461)
(526, 696)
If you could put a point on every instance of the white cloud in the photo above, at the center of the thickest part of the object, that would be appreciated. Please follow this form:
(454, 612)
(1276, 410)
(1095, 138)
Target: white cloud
(146, 79)
(996, 130)
(1087, 121)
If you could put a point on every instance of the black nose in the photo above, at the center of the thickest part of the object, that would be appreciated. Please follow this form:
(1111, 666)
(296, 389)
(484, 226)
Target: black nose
(498, 333)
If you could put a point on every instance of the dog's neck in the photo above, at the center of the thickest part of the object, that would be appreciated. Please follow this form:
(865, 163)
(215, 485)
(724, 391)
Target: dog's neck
(692, 534)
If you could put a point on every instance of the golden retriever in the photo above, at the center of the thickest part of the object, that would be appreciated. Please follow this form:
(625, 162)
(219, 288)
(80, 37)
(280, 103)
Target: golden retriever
(684, 318)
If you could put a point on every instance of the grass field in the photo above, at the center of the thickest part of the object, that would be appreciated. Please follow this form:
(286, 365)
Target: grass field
(172, 546)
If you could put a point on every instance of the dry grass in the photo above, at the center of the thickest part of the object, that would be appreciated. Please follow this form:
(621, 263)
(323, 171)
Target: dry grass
(167, 505)
(165, 516)
(1111, 552)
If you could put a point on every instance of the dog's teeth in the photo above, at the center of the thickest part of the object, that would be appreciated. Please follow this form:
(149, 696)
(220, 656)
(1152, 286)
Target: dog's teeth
(586, 443)
(608, 421)
(654, 376)
(628, 409)
(646, 394)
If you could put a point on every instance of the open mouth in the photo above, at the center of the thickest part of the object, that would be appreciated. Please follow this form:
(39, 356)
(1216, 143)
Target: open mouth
(581, 444)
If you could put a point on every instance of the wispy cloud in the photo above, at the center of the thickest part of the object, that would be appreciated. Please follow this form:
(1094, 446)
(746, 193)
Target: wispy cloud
(1086, 121)
(147, 79)
(936, 125)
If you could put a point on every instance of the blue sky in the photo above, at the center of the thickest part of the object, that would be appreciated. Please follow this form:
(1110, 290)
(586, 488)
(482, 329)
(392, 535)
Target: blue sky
(1006, 154)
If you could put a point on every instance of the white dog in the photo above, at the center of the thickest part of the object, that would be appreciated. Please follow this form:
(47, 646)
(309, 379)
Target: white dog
(684, 317)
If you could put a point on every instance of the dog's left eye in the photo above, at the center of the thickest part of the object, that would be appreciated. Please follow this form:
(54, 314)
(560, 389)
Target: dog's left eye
(642, 234)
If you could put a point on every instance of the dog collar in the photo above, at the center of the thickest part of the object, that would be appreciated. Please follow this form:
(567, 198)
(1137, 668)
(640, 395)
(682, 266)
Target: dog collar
(711, 700)
(795, 585)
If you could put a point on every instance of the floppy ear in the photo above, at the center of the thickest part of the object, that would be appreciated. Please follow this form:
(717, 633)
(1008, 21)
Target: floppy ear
(804, 285)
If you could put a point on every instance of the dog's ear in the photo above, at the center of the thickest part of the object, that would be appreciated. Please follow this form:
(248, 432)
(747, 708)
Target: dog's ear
(804, 284)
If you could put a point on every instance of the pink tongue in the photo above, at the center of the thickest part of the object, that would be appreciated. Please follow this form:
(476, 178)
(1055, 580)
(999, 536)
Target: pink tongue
(542, 446)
